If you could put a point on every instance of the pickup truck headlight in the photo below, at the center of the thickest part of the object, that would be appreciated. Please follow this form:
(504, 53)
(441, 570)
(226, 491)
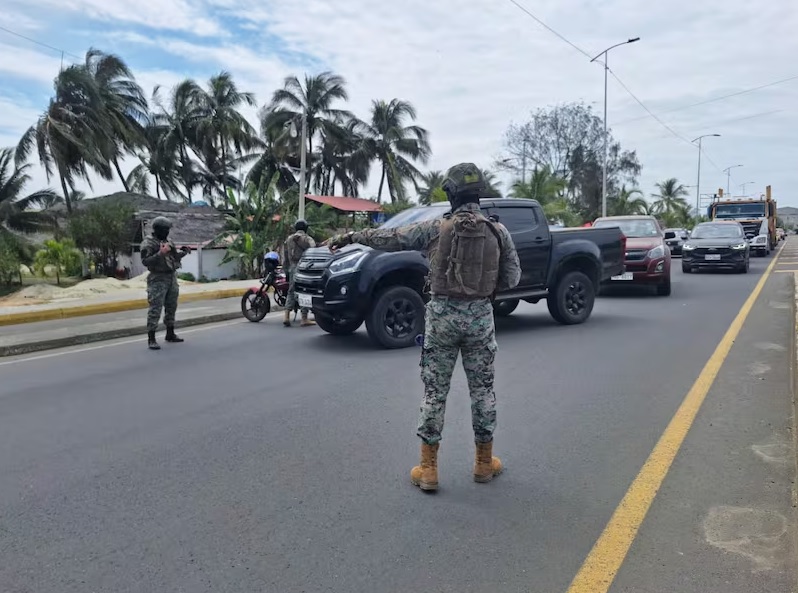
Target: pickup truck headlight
(658, 251)
(350, 263)
(760, 239)
(688, 247)
(739, 246)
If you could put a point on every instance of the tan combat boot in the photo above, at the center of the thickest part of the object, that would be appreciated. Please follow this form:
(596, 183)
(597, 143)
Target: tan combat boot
(305, 321)
(287, 318)
(425, 476)
(486, 466)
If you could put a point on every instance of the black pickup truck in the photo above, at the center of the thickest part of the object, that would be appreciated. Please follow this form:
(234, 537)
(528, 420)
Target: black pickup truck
(386, 290)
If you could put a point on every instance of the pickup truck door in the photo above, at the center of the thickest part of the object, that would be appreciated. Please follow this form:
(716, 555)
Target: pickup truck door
(530, 233)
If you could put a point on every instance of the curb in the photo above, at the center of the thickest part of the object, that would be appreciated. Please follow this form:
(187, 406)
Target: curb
(111, 307)
(111, 334)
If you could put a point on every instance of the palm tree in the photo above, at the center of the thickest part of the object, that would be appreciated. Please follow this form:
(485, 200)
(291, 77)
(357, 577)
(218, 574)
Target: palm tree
(628, 201)
(221, 128)
(15, 209)
(492, 183)
(314, 100)
(157, 162)
(543, 186)
(179, 121)
(431, 181)
(669, 200)
(69, 135)
(124, 107)
(275, 158)
(395, 145)
(62, 255)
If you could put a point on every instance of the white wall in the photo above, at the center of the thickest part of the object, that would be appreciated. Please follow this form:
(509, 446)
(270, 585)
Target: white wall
(212, 266)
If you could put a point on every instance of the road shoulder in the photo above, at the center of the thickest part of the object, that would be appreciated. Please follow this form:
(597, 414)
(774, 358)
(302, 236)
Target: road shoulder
(723, 520)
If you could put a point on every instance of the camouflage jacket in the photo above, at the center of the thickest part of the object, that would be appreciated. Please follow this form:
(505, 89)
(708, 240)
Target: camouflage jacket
(295, 245)
(157, 263)
(423, 236)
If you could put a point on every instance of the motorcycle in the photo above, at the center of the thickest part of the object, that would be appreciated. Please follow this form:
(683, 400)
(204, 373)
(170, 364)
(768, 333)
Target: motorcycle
(256, 304)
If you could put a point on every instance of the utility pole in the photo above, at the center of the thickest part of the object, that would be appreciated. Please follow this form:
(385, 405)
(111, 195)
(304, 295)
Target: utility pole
(727, 170)
(605, 53)
(698, 182)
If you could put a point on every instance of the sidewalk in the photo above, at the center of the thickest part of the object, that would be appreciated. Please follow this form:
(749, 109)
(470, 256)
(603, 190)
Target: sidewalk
(83, 300)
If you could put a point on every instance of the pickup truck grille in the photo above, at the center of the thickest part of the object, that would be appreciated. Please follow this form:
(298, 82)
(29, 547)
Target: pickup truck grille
(636, 254)
(312, 266)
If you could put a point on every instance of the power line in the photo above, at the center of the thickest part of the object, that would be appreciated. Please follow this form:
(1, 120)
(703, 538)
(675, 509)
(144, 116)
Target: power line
(615, 76)
(545, 26)
(722, 97)
(21, 36)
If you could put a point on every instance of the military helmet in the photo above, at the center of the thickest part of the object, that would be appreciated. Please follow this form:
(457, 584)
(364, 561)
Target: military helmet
(464, 179)
(301, 225)
(161, 222)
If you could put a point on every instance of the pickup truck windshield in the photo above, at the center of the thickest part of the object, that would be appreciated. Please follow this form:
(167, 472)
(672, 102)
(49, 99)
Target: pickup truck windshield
(418, 214)
(717, 231)
(642, 227)
(740, 210)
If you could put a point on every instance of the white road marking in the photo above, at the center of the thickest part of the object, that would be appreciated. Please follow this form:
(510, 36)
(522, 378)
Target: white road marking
(124, 342)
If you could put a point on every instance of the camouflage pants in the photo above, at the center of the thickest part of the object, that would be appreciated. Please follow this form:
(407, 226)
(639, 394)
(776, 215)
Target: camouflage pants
(162, 293)
(290, 300)
(458, 327)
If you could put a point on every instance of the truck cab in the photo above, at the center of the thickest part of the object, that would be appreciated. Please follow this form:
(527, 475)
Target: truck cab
(386, 290)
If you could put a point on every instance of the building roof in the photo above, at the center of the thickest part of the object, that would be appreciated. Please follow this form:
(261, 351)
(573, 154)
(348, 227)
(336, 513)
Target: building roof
(346, 203)
(194, 226)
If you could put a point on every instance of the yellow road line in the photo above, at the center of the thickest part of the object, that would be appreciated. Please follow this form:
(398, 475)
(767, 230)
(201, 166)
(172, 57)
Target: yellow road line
(605, 559)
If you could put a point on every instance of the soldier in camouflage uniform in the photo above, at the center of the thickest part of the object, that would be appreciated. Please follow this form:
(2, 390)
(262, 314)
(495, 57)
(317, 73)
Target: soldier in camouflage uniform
(296, 245)
(470, 259)
(160, 256)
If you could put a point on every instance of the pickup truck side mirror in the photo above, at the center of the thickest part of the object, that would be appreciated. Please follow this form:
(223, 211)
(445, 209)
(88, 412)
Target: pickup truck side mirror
(670, 235)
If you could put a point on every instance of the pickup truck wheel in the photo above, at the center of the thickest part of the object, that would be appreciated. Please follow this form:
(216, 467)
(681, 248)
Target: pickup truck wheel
(664, 289)
(396, 317)
(338, 328)
(572, 300)
(504, 308)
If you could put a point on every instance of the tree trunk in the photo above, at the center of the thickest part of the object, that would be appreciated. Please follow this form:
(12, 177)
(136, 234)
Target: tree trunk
(382, 180)
(157, 187)
(58, 274)
(121, 177)
(184, 165)
(67, 199)
(224, 171)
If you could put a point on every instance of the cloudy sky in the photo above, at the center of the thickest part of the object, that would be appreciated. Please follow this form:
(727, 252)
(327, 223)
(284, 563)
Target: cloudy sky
(470, 68)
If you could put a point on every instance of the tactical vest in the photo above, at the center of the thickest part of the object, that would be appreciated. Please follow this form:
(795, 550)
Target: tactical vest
(169, 263)
(295, 247)
(465, 263)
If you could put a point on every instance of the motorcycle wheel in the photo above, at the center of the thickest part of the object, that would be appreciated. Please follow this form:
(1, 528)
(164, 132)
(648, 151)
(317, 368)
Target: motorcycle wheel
(280, 298)
(255, 305)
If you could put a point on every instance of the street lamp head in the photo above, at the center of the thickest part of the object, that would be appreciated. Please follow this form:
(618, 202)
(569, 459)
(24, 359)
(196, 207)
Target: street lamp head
(633, 40)
(716, 135)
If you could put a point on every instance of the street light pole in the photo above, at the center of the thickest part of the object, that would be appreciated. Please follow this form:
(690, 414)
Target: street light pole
(698, 182)
(743, 186)
(727, 170)
(302, 158)
(606, 55)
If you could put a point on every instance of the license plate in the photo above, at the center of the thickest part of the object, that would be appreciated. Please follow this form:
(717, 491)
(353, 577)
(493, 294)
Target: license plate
(712, 257)
(305, 300)
(624, 276)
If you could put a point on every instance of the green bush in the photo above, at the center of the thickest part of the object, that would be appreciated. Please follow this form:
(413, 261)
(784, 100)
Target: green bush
(9, 263)
(187, 277)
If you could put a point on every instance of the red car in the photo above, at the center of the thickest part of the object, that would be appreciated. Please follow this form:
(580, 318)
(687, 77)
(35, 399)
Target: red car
(648, 258)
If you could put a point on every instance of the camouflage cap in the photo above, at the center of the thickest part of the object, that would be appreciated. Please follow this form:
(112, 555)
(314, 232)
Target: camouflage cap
(161, 221)
(464, 177)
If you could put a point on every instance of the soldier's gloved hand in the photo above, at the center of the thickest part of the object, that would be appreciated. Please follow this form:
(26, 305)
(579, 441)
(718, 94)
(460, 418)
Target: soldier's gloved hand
(339, 241)
(185, 249)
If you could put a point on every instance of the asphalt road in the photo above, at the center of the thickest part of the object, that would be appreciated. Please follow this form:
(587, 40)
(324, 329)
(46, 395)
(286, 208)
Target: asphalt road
(258, 458)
